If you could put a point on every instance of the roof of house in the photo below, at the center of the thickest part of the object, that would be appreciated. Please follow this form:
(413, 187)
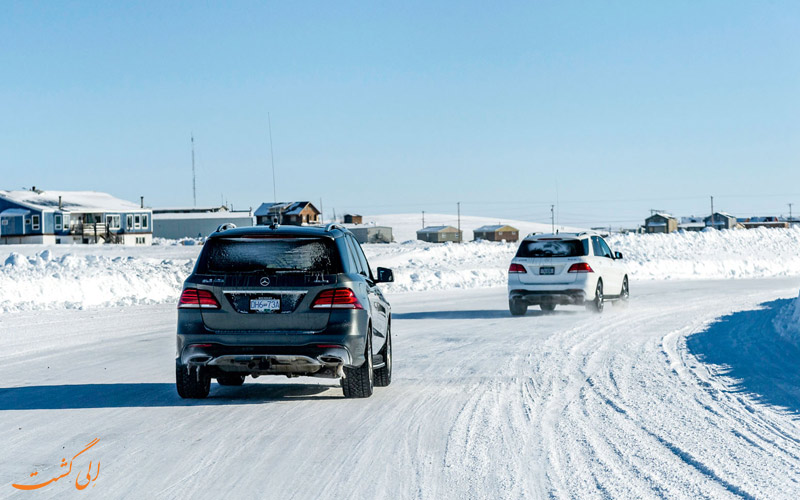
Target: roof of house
(437, 229)
(286, 208)
(723, 214)
(497, 227)
(71, 201)
(662, 214)
(202, 216)
(14, 212)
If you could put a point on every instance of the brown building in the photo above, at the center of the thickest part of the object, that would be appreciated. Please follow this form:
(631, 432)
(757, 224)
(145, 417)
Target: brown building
(297, 213)
(353, 219)
(497, 233)
(440, 234)
(660, 223)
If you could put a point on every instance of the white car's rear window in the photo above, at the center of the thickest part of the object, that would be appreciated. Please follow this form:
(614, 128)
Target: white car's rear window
(553, 248)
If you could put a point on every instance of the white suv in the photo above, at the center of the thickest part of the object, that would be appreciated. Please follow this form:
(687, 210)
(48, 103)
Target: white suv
(567, 269)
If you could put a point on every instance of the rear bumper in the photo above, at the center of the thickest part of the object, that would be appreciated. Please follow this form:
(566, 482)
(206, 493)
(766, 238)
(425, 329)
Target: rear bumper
(316, 353)
(559, 297)
(317, 360)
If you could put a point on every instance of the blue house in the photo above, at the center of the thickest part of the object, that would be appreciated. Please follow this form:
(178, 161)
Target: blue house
(53, 217)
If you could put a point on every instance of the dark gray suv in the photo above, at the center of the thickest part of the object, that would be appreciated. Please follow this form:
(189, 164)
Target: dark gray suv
(283, 300)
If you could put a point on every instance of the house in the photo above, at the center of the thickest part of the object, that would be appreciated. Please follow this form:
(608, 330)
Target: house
(296, 213)
(499, 232)
(722, 220)
(52, 217)
(769, 221)
(440, 234)
(691, 224)
(353, 219)
(182, 222)
(371, 234)
(660, 222)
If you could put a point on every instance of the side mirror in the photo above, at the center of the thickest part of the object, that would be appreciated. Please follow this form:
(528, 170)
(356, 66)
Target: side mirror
(385, 275)
(617, 255)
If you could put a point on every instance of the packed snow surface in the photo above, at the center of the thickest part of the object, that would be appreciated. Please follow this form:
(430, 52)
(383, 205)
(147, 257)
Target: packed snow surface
(569, 405)
(67, 276)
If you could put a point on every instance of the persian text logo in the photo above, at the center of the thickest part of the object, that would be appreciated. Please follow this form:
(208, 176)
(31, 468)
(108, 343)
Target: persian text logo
(78, 478)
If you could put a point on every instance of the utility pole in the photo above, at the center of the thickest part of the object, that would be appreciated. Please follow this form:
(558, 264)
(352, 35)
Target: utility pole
(194, 178)
(423, 219)
(713, 224)
(552, 219)
(272, 159)
(459, 221)
(790, 212)
(321, 211)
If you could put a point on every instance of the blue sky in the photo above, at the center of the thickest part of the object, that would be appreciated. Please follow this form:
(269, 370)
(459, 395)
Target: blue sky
(611, 108)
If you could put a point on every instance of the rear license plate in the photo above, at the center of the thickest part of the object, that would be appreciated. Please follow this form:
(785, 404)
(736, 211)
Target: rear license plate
(547, 270)
(265, 305)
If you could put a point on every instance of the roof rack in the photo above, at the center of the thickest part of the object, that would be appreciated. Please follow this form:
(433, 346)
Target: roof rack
(333, 225)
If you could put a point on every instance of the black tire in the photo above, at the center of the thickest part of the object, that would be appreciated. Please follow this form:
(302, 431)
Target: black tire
(383, 376)
(190, 383)
(517, 307)
(359, 382)
(548, 307)
(624, 293)
(597, 304)
(230, 379)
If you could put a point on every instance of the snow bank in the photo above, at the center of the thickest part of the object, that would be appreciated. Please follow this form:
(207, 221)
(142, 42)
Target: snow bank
(787, 322)
(420, 266)
(44, 281)
(63, 276)
(754, 253)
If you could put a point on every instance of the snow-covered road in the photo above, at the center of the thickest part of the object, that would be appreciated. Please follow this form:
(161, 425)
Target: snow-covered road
(482, 405)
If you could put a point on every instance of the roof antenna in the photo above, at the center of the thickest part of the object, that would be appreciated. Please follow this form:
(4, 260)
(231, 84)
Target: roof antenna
(194, 177)
(272, 158)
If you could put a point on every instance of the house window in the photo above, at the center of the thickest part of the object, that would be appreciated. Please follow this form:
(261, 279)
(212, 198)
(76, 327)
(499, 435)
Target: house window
(58, 222)
(27, 222)
(5, 222)
(112, 221)
(66, 221)
(35, 222)
(129, 222)
(145, 222)
(137, 221)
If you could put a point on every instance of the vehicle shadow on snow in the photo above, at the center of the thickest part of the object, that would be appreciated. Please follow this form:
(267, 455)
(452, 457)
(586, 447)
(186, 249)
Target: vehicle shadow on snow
(746, 347)
(59, 397)
(475, 314)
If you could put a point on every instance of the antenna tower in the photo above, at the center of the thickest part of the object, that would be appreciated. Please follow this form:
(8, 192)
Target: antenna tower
(272, 159)
(194, 176)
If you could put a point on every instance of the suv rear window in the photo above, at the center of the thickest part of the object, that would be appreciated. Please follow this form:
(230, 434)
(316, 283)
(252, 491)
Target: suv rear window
(271, 256)
(553, 248)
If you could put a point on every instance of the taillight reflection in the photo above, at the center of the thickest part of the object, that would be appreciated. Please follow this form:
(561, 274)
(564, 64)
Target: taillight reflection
(340, 298)
(580, 267)
(516, 269)
(192, 298)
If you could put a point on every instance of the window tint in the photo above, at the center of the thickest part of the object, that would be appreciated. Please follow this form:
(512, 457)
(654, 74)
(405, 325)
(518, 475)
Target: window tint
(362, 258)
(270, 256)
(605, 249)
(553, 248)
(354, 262)
(598, 252)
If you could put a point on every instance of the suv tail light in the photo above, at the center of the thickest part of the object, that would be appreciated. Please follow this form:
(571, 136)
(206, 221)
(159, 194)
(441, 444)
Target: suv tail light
(192, 298)
(580, 267)
(516, 268)
(340, 298)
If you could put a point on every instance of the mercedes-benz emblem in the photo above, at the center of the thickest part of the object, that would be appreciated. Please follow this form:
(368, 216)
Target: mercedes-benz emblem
(264, 281)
